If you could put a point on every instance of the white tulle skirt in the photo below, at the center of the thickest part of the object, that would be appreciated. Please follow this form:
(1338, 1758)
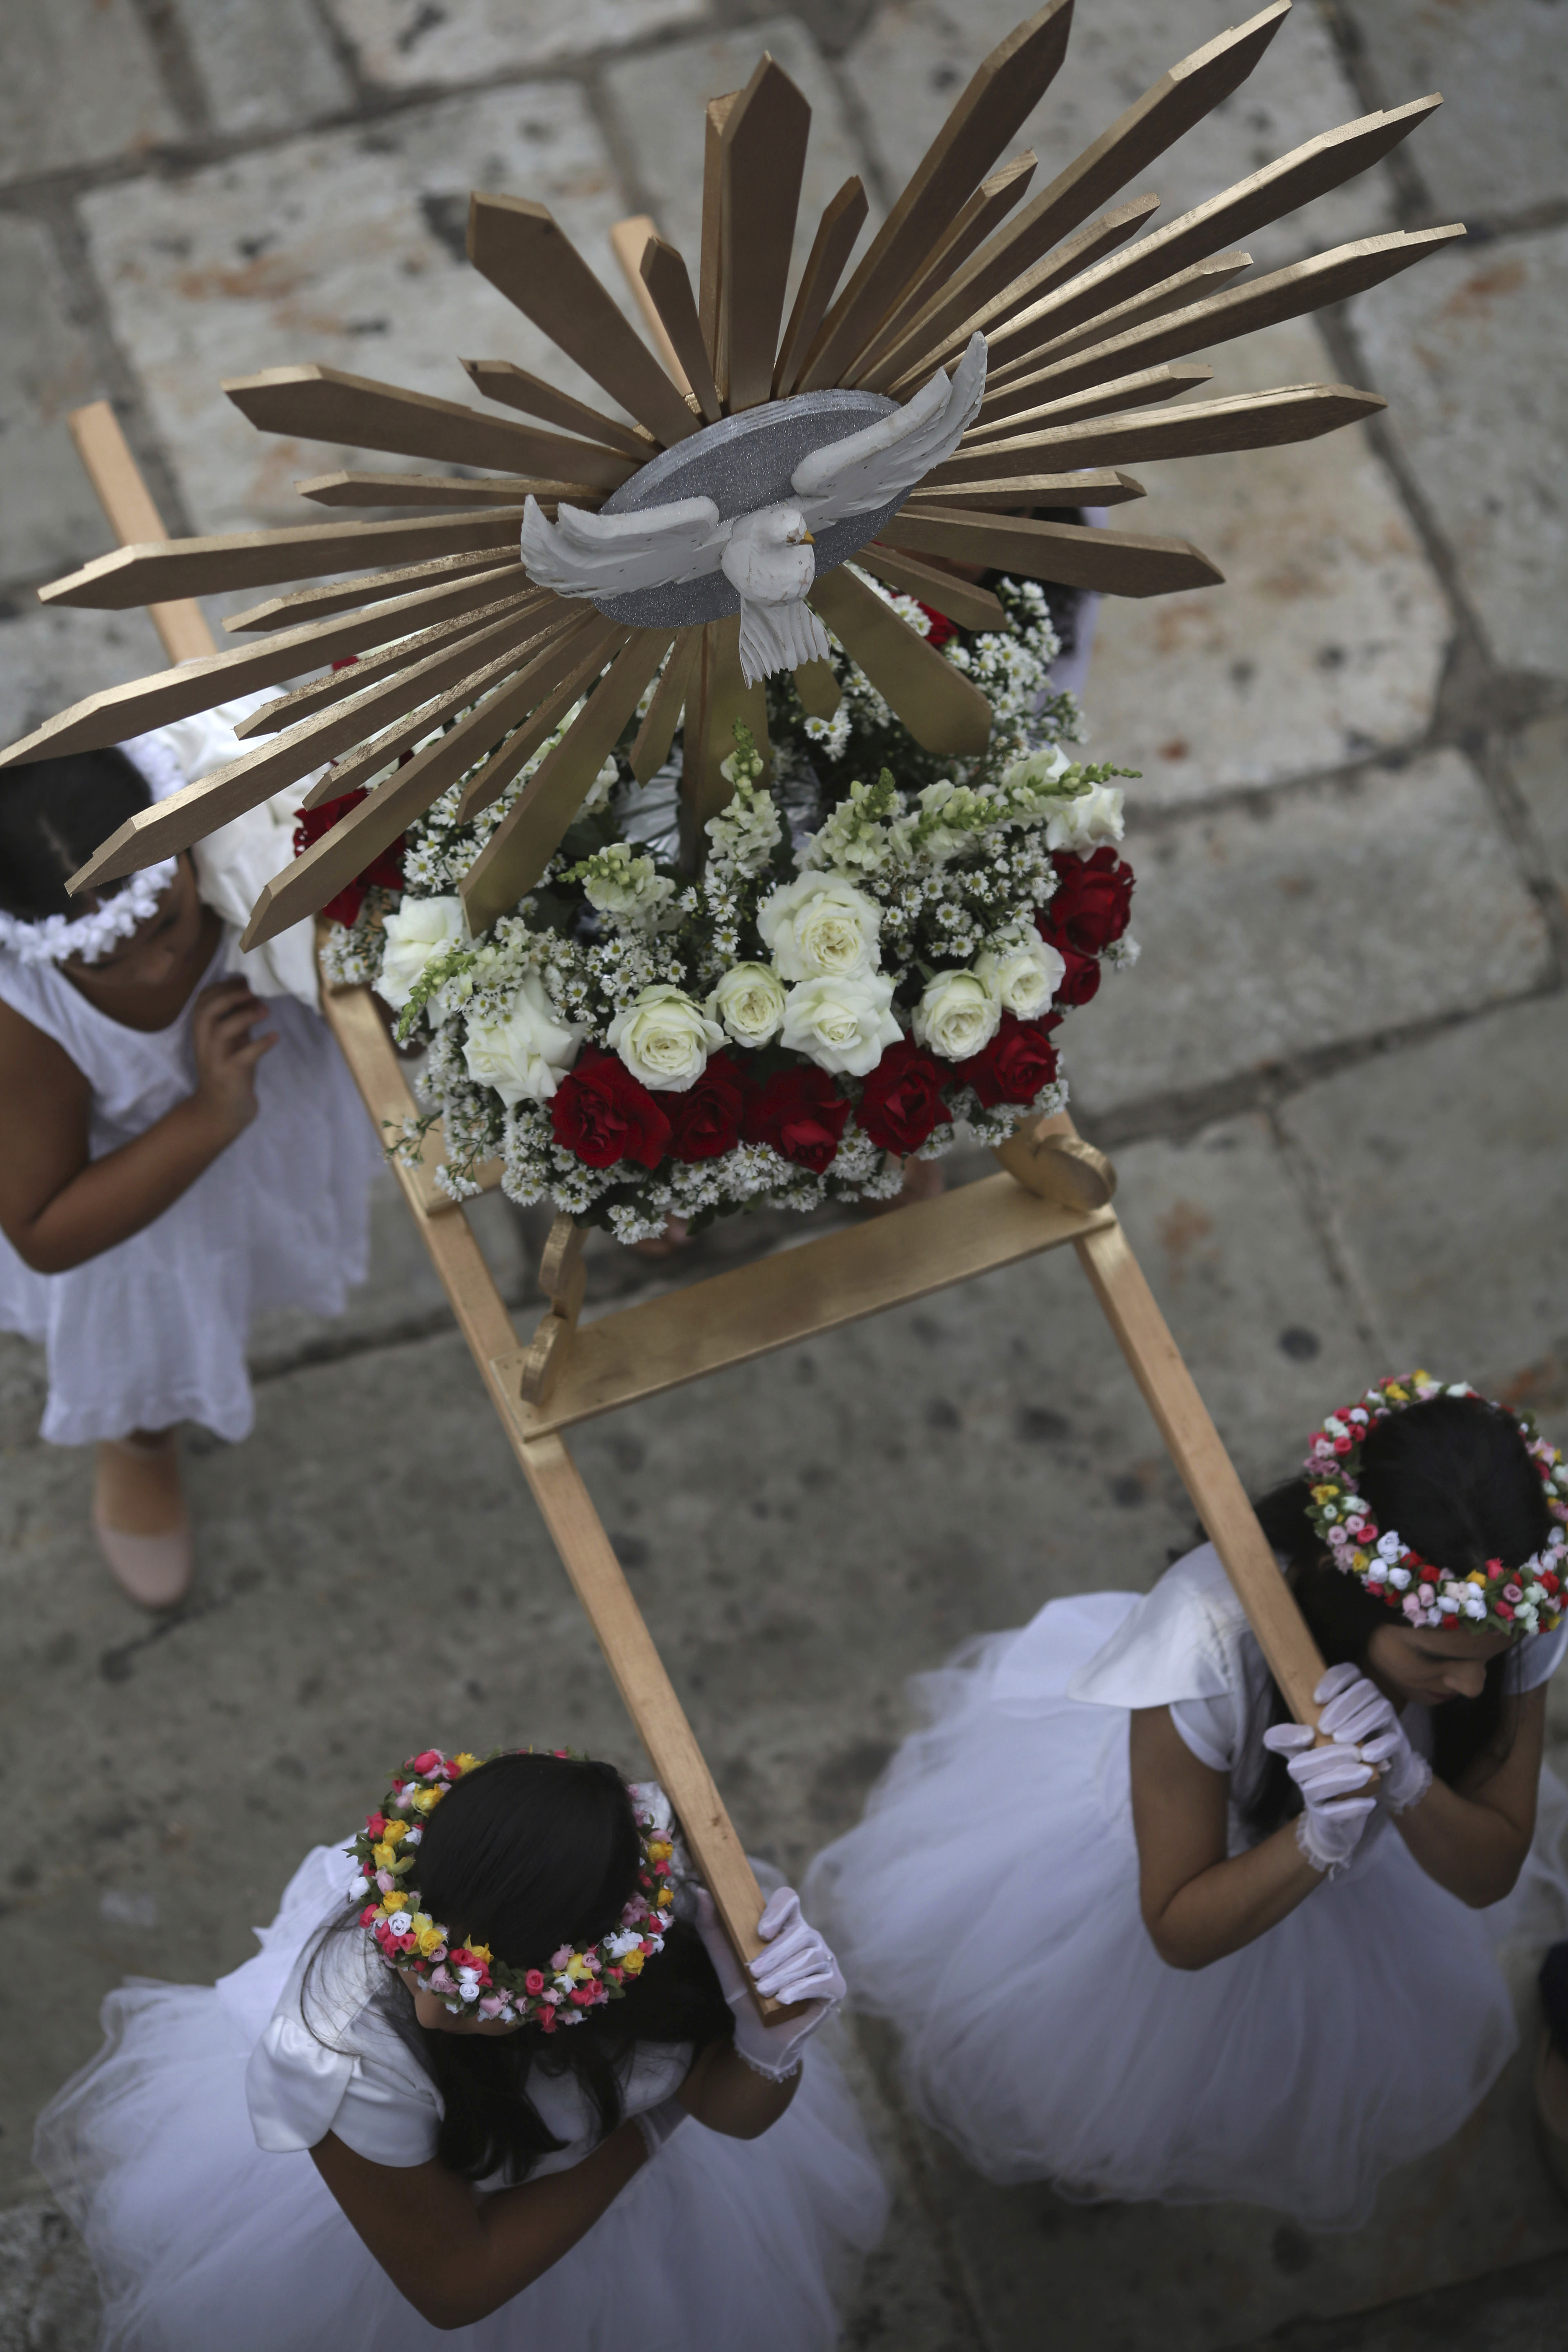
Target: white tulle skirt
(203, 2243)
(988, 1904)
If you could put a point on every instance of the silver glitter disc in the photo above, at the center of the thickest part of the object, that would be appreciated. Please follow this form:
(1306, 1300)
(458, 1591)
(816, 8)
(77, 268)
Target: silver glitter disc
(743, 463)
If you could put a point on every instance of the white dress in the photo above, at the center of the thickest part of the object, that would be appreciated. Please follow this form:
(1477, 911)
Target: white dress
(988, 1903)
(154, 1331)
(179, 2153)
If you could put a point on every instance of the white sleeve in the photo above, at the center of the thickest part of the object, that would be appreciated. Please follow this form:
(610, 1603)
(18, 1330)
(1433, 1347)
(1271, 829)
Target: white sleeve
(1536, 1658)
(299, 2089)
(1208, 1726)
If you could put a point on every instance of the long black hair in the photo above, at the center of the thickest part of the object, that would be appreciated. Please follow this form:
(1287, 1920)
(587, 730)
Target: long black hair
(53, 814)
(525, 1854)
(1453, 1476)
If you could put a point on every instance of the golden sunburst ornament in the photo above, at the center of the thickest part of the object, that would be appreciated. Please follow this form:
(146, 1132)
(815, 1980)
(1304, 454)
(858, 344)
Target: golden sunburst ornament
(987, 357)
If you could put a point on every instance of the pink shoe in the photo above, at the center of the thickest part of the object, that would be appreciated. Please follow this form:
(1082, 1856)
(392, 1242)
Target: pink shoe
(154, 1569)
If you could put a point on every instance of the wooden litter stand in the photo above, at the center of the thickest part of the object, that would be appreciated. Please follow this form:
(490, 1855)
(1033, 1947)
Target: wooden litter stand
(1053, 1188)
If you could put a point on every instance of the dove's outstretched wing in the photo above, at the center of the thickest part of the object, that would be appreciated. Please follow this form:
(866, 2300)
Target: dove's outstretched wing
(584, 554)
(885, 461)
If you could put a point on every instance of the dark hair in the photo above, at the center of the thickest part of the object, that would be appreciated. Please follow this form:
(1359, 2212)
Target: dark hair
(525, 1854)
(1453, 1476)
(53, 814)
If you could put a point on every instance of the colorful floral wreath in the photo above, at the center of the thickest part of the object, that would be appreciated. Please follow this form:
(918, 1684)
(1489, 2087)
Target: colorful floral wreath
(468, 1979)
(1497, 1599)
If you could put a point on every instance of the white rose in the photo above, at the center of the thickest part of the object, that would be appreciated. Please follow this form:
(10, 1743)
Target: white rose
(1024, 979)
(420, 929)
(398, 1923)
(1094, 816)
(664, 1038)
(842, 1025)
(957, 1016)
(750, 1002)
(820, 927)
(527, 1053)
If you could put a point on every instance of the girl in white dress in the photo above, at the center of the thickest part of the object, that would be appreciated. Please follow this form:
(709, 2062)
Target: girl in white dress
(172, 1166)
(379, 2129)
(1139, 1938)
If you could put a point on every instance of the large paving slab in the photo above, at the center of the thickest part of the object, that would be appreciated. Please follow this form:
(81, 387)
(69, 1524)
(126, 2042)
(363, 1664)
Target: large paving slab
(657, 100)
(346, 249)
(916, 55)
(48, 367)
(49, 659)
(1469, 351)
(1539, 765)
(405, 43)
(1442, 1167)
(1496, 148)
(81, 85)
(269, 68)
(1280, 925)
(1327, 638)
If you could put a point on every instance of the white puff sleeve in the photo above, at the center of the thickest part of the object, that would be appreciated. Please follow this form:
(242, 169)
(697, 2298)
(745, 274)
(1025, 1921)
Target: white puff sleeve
(342, 2070)
(1181, 1647)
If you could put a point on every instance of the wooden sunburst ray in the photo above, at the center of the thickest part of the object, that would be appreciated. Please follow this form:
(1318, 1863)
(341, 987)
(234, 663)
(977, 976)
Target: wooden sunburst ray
(1089, 336)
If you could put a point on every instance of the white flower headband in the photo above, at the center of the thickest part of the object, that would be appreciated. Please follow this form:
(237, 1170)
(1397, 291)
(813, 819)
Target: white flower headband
(56, 938)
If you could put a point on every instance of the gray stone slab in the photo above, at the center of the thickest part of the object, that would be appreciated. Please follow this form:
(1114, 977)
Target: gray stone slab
(1443, 1167)
(49, 658)
(408, 44)
(1519, 2309)
(81, 85)
(1277, 928)
(47, 369)
(1539, 763)
(269, 68)
(1326, 640)
(1496, 148)
(1469, 349)
(48, 2297)
(659, 102)
(345, 247)
(915, 57)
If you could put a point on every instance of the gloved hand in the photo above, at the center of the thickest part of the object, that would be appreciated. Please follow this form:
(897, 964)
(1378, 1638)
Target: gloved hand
(658, 2123)
(1357, 1711)
(797, 1966)
(1329, 1828)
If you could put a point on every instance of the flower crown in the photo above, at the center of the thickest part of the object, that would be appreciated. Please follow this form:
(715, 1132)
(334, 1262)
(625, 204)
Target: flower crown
(55, 939)
(468, 1976)
(1498, 1600)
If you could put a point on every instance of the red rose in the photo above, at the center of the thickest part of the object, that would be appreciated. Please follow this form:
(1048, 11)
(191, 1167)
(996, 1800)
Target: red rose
(1092, 903)
(940, 629)
(902, 1100)
(706, 1119)
(801, 1113)
(1080, 978)
(1019, 1060)
(534, 1982)
(384, 871)
(602, 1114)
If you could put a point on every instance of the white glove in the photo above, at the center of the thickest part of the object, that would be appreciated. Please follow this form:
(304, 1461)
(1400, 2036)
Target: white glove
(1329, 1828)
(658, 2123)
(1357, 1711)
(797, 1966)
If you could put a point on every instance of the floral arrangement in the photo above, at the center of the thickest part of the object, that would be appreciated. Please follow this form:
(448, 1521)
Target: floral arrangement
(874, 959)
(468, 1978)
(1498, 1600)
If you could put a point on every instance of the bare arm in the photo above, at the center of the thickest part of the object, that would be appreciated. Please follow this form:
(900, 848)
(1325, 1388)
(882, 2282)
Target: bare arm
(1473, 1839)
(459, 2254)
(58, 1207)
(1197, 1902)
(729, 2096)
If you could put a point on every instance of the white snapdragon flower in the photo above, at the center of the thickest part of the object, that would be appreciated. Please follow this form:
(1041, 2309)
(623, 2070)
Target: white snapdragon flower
(1022, 978)
(749, 1003)
(624, 885)
(417, 931)
(525, 1054)
(958, 1015)
(820, 927)
(1037, 770)
(842, 1024)
(1082, 823)
(664, 1037)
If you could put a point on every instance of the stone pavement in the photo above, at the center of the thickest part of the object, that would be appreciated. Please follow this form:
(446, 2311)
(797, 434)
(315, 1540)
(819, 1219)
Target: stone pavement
(1334, 1086)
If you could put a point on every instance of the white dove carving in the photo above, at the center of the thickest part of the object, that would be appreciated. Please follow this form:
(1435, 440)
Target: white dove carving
(766, 554)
